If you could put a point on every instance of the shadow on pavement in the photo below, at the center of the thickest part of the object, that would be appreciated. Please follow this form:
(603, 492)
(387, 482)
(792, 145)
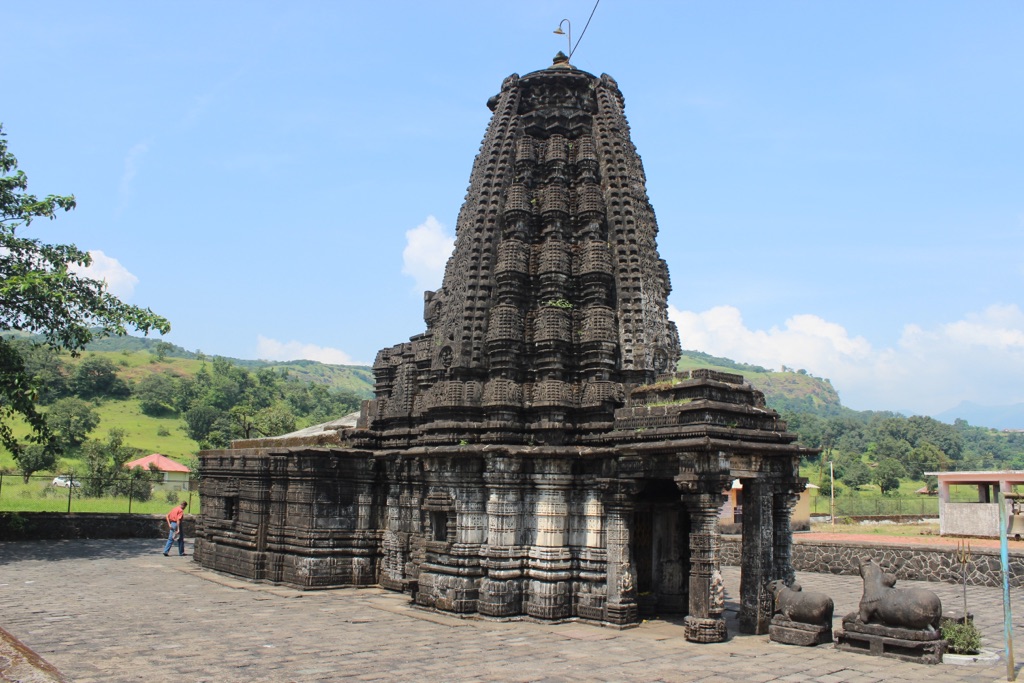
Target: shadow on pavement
(70, 549)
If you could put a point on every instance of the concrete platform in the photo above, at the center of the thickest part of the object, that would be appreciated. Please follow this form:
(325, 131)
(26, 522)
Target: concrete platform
(117, 610)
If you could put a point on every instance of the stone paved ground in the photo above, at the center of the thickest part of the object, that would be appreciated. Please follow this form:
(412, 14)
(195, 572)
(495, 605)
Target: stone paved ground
(117, 610)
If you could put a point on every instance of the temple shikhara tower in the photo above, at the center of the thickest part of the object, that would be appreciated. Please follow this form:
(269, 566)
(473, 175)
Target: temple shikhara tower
(532, 451)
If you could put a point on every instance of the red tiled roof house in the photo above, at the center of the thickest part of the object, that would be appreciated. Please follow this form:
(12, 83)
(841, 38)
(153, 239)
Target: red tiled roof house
(175, 475)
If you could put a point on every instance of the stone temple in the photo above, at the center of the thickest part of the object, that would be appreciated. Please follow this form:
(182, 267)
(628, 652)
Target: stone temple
(531, 452)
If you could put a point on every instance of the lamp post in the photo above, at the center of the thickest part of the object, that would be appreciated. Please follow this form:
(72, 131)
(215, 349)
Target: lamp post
(559, 32)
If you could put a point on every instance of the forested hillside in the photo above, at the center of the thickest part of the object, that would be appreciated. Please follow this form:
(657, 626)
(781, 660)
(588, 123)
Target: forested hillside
(128, 396)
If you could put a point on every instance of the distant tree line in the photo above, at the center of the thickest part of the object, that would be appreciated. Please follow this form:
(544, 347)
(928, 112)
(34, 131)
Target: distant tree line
(220, 403)
(881, 448)
(223, 402)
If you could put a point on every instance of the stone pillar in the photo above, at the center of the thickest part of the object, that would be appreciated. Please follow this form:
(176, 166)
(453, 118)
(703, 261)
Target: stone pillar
(757, 564)
(704, 623)
(782, 512)
(620, 604)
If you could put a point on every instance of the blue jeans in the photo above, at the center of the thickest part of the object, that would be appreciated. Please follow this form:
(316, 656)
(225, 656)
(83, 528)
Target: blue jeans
(170, 540)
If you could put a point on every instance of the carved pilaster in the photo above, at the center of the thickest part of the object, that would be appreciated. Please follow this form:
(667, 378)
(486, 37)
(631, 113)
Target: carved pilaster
(501, 590)
(550, 595)
(620, 605)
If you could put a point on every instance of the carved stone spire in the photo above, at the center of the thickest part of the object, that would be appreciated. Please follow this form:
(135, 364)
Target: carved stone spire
(554, 302)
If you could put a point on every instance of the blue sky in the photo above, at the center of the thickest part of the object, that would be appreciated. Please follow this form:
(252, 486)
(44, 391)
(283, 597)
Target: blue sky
(839, 185)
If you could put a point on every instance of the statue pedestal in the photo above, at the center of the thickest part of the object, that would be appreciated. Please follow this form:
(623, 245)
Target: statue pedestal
(783, 630)
(699, 630)
(908, 645)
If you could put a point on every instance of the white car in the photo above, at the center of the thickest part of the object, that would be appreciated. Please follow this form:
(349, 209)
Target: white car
(64, 482)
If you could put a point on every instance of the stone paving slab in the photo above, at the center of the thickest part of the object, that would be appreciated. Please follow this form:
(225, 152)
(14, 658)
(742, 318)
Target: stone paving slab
(117, 610)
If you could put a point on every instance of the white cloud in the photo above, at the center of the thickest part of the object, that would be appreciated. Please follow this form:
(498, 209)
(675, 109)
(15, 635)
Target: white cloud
(427, 248)
(271, 349)
(979, 358)
(120, 282)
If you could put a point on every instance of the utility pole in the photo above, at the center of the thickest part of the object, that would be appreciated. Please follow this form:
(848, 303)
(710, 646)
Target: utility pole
(832, 493)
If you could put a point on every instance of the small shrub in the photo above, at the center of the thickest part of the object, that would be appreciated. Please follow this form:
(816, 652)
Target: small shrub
(172, 497)
(963, 638)
(163, 432)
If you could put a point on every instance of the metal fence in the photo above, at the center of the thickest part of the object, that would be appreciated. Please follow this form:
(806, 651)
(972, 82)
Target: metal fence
(66, 493)
(877, 506)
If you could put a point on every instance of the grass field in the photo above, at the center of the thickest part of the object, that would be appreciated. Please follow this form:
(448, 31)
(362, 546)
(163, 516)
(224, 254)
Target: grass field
(38, 495)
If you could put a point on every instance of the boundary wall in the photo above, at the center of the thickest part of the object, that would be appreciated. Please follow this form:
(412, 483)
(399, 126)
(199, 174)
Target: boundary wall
(32, 526)
(909, 562)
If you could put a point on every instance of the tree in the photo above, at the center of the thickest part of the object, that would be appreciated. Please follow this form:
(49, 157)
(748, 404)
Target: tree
(200, 421)
(887, 475)
(96, 376)
(274, 421)
(156, 394)
(926, 457)
(105, 473)
(46, 369)
(40, 293)
(857, 474)
(71, 420)
(161, 350)
(34, 458)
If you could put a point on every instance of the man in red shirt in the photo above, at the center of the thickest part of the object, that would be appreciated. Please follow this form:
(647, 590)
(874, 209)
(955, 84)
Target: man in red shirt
(174, 522)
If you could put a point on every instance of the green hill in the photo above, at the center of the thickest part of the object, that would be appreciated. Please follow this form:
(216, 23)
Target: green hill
(355, 379)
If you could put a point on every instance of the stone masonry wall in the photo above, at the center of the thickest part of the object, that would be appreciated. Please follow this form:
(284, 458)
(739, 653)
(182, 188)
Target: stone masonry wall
(907, 562)
(31, 526)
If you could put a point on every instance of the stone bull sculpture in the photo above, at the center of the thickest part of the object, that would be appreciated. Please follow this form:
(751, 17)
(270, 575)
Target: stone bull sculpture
(910, 608)
(807, 608)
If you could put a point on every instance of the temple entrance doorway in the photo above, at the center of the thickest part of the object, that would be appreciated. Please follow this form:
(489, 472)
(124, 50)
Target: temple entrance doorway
(660, 551)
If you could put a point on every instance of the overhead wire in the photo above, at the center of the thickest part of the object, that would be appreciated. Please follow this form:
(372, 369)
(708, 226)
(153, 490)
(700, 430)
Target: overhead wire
(573, 50)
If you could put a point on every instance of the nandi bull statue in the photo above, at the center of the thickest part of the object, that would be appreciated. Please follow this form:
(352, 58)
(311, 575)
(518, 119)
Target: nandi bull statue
(893, 622)
(800, 618)
(910, 608)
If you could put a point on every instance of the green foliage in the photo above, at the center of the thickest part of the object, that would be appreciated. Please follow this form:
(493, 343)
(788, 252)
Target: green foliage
(96, 376)
(825, 488)
(962, 637)
(71, 420)
(45, 367)
(105, 474)
(201, 420)
(41, 293)
(156, 394)
(34, 458)
(558, 303)
(887, 475)
(856, 474)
